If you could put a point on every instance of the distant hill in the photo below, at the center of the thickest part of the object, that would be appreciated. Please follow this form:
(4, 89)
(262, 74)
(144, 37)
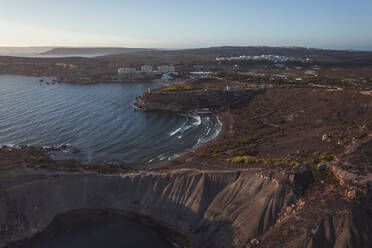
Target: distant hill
(205, 55)
(140, 56)
(92, 50)
(22, 51)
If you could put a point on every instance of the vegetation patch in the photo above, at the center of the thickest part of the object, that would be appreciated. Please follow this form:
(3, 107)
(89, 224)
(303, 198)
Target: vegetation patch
(321, 159)
(256, 160)
(176, 88)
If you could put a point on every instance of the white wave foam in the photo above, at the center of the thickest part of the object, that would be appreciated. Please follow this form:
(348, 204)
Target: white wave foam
(208, 131)
(174, 156)
(198, 120)
(162, 157)
(174, 243)
(64, 145)
(181, 130)
(176, 131)
(216, 130)
(186, 128)
(198, 142)
(12, 145)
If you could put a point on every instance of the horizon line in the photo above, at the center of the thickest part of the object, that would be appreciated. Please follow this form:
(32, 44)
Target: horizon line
(197, 47)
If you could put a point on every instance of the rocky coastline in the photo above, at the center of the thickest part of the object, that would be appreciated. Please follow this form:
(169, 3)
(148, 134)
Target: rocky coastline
(214, 100)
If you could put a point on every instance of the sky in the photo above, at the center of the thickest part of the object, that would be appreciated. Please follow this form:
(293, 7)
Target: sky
(334, 24)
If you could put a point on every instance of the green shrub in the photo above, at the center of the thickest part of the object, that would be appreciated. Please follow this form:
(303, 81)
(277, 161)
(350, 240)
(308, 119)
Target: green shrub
(324, 158)
(38, 158)
(256, 160)
(176, 88)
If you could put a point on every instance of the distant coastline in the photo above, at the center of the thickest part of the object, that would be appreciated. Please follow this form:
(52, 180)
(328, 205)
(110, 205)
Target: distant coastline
(92, 50)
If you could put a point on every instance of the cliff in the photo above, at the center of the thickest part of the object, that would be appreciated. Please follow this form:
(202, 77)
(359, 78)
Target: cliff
(185, 101)
(211, 208)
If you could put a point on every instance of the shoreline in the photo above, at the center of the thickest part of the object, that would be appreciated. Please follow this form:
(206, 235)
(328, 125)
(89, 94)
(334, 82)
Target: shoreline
(47, 154)
(56, 81)
(195, 147)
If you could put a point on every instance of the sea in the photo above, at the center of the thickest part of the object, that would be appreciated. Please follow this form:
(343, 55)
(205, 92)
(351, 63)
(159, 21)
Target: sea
(37, 52)
(97, 120)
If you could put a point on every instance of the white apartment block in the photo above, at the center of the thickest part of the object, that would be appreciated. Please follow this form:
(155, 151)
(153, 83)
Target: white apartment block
(146, 68)
(166, 68)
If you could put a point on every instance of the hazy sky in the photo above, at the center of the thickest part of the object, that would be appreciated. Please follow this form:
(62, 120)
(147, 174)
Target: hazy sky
(187, 23)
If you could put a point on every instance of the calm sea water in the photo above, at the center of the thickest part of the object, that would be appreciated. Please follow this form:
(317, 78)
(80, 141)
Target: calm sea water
(97, 119)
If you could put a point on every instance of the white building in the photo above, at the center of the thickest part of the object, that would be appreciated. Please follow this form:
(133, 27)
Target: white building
(166, 68)
(166, 77)
(127, 70)
(273, 58)
(146, 68)
(200, 74)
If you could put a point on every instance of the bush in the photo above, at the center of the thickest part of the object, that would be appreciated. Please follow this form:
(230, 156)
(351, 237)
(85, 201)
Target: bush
(256, 160)
(176, 88)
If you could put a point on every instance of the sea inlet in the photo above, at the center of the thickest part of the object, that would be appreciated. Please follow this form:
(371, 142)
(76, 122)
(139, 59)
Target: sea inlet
(96, 124)
(99, 121)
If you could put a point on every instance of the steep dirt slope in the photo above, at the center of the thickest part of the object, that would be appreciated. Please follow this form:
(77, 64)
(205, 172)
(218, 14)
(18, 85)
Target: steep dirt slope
(213, 209)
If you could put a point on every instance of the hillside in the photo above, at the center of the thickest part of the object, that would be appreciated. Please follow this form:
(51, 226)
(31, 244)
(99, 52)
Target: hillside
(207, 55)
(92, 50)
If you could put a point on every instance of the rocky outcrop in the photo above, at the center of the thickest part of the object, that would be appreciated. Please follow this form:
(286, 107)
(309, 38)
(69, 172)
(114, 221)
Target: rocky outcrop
(186, 101)
(353, 167)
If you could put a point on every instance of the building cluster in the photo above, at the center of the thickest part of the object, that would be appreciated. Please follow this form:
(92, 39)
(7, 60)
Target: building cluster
(166, 69)
(148, 69)
(272, 58)
(200, 74)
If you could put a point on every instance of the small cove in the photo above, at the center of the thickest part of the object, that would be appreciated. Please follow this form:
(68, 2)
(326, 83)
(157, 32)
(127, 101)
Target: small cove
(99, 120)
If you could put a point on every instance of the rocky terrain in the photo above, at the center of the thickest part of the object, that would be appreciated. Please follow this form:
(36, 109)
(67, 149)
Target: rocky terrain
(227, 208)
(320, 140)
(291, 168)
(200, 204)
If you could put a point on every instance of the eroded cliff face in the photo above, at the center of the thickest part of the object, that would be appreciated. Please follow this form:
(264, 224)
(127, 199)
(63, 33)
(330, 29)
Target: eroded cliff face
(333, 215)
(241, 208)
(185, 101)
(213, 209)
